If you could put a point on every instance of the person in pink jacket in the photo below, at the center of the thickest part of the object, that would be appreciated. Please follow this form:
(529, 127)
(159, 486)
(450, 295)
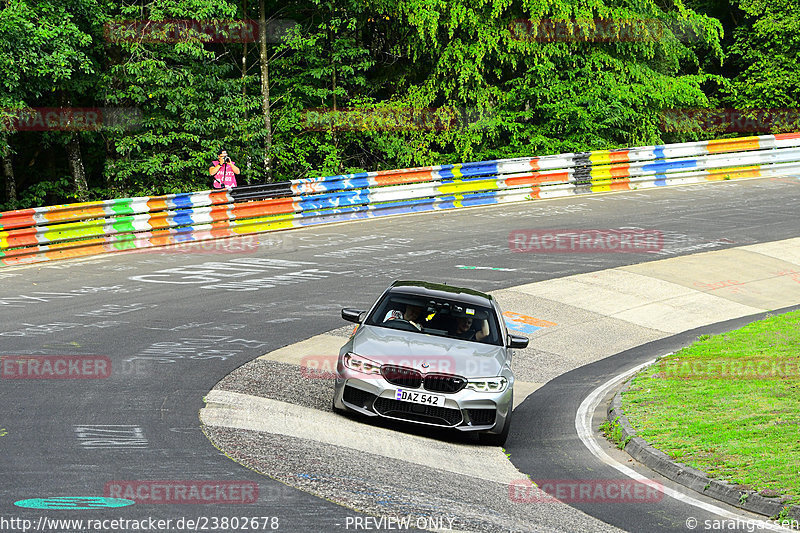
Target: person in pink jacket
(224, 171)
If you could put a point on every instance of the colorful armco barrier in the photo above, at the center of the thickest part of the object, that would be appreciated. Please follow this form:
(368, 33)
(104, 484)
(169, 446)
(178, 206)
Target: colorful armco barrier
(74, 230)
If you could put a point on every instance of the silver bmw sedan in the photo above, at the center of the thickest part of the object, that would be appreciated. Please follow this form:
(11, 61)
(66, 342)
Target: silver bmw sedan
(430, 353)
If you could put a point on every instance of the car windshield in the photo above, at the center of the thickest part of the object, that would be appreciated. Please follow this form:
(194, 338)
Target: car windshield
(437, 316)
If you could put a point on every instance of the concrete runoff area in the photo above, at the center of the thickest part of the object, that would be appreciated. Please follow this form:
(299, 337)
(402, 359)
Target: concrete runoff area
(592, 316)
(270, 416)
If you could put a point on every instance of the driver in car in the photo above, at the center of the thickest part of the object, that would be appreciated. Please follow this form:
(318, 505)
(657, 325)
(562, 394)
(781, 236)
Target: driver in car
(463, 329)
(412, 314)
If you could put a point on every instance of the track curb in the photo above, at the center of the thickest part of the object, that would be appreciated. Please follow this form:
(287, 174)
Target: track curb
(687, 476)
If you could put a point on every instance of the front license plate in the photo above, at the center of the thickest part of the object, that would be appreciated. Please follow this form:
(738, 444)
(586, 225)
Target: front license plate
(419, 397)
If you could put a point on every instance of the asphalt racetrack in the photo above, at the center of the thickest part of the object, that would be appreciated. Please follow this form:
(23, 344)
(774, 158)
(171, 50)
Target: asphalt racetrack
(172, 323)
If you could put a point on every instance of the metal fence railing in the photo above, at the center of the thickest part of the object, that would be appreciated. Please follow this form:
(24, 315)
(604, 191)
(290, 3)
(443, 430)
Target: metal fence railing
(73, 230)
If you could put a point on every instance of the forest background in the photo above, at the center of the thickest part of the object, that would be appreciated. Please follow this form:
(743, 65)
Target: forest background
(105, 99)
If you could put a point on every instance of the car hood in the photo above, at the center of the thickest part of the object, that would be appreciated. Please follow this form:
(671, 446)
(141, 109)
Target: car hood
(440, 354)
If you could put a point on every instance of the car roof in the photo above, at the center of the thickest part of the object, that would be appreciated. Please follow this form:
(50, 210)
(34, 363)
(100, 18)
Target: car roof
(440, 290)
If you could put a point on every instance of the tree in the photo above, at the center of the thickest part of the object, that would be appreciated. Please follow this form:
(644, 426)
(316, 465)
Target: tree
(766, 54)
(44, 52)
(185, 88)
(323, 70)
(352, 85)
(580, 88)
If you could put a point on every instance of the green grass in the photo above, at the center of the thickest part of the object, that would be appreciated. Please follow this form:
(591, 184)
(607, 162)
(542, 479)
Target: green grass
(728, 405)
(613, 432)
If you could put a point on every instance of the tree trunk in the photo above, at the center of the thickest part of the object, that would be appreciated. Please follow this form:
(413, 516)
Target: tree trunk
(8, 172)
(335, 108)
(74, 160)
(116, 190)
(244, 64)
(248, 156)
(79, 186)
(262, 38)
(335, 131)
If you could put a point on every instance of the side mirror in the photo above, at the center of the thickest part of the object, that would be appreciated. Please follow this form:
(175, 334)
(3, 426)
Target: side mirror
(517, 341)
(353, 315)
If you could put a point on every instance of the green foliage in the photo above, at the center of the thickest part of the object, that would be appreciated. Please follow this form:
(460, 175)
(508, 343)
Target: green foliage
(323, 66)
(189, 96)
(612, 430)
(546, 97)
(462, 79)
(47, 60)
(44, 48)
(46, 192)
(766, 52)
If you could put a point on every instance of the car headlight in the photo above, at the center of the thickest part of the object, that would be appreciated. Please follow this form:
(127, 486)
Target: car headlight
(496, 384)
(361, 364)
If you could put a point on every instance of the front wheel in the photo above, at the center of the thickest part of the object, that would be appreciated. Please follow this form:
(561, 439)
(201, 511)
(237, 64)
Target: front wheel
(334, 408)
(497, 439)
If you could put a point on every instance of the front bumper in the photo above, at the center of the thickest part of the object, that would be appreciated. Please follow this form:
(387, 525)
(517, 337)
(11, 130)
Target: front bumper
(465, 410)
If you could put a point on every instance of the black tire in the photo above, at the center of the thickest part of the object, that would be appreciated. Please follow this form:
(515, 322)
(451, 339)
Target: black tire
(497, 439)
(334, 408)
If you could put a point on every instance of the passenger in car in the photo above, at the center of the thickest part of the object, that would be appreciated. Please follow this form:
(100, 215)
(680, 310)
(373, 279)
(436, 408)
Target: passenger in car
(463, 329)
(412, 314)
